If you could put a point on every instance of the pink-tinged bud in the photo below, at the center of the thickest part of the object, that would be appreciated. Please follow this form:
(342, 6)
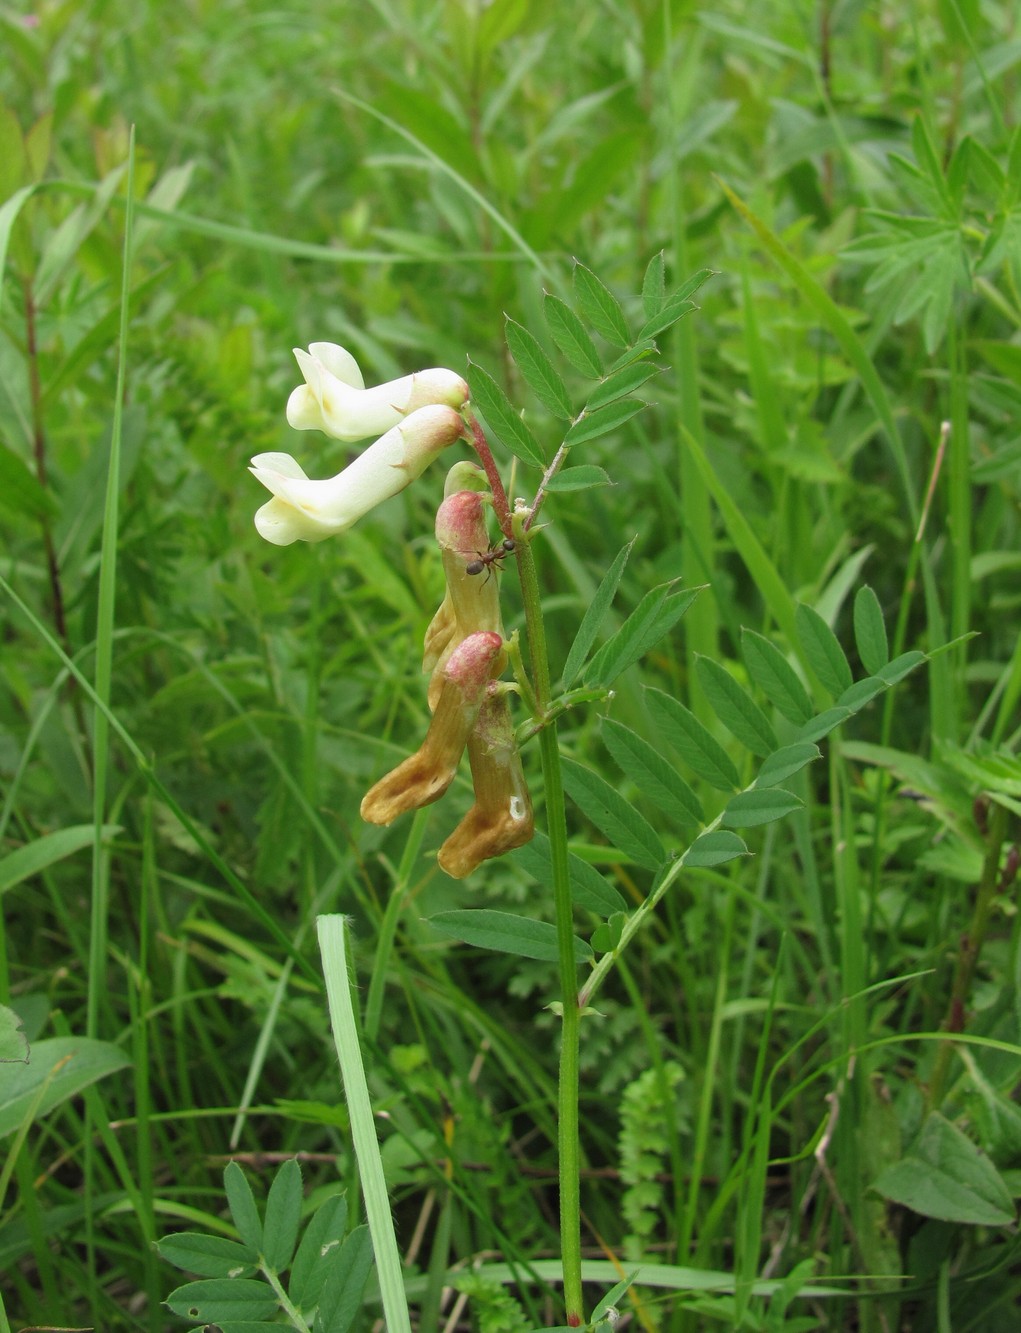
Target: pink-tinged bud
(333, 398)
(501, 818)
(305, 510)
(426, 775)
(474, 599)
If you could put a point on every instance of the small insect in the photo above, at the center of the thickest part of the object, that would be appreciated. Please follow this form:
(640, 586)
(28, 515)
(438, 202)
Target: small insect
(487, 559)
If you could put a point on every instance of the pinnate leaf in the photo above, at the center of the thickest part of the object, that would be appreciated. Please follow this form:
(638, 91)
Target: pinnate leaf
(207, 1256)
(600, 307)
(775, 677)
(341, 1298)
(714, 849)
(321, 1240)
(651, 774)
(655, 615)
(500, 416)
(594, 615)
(590, 425)
(735, 708)
(822, 651)
(538, 370)
(870, 631)
(581, 478)
(243, 1209)
(654, 286)
(589, 889)
(283, 1216)
(701, 751)
(760, 806)
(785, 762)
(213, 1300)
(503, 932)
(613, 816)
(621, 383)
(571, 336)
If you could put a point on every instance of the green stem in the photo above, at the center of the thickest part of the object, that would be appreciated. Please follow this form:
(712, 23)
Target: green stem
(971, 947)
(285, 1303)
(568, 1147)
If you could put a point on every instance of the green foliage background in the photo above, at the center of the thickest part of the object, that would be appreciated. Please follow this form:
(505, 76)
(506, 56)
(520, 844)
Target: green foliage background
(396, 177)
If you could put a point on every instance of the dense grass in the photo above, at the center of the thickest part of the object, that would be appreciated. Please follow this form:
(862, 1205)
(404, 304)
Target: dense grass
(396, 178)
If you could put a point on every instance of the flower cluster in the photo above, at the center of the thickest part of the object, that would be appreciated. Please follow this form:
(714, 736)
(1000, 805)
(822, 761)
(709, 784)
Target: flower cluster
(464, 644)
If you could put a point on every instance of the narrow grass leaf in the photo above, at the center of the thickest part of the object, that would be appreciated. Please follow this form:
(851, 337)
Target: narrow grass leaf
(651, 774)
(500, 416)
(870, 631)
(590, 425)
(600, 307)
(613, 816)
(243, 1208)
(775, 677)
(216, 1299)
(762, 570)
(57, 1069)
(946, 1176)
(331, 930)
(589, 889)
(621, 383)
(765, 806)
(504, 932)
(571, 336)
(655, 616)
(538, 370)
(714, 849)
(784, 763)
(581, 478)
(46, 851)
(207, 1256)
(654, 286)
(342, 1294)
(701, 751)
(735, 708)
(283, 1216)
(594, 616)
(312, 1263)
(822, 651)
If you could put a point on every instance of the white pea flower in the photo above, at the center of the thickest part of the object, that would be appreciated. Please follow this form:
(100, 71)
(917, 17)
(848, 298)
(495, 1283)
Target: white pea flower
(334, 399)
(306, 510)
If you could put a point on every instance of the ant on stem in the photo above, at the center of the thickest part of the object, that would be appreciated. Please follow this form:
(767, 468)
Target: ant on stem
(487, 559)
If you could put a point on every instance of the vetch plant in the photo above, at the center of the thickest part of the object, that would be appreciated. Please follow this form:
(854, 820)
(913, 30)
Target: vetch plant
(466, 653)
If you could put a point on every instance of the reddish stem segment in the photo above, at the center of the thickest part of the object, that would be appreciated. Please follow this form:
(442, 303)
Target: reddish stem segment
(500, 501)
